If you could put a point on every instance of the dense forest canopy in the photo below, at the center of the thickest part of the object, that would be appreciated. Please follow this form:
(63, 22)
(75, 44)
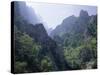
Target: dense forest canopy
(70, 46)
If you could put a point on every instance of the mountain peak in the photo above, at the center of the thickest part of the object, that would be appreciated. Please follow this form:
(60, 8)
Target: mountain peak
(83, 13)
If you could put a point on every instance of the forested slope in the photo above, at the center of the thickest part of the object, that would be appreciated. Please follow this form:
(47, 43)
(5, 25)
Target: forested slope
(35, 51)
(78, 37)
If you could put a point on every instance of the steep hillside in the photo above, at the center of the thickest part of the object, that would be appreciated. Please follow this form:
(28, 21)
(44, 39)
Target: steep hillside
(35, 51)
(78, 37)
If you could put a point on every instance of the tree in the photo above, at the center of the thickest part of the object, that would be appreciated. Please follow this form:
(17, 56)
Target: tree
(46, 64)
(20, 67)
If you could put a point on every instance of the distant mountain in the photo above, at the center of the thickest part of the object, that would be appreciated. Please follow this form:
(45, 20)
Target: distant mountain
(83, 14)
(73, 25)
(66, 26)
(49, 30)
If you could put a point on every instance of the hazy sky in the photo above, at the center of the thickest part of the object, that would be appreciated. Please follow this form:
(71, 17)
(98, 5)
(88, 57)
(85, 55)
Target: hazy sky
(53, 14)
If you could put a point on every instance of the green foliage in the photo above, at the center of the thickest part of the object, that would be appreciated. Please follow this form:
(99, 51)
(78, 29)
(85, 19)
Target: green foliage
(35, 49)
(83, 56)
(46, 64)
(20, 67)
(27, 51)
(72, 58)
(92, 26)
(80, 42)
(25, 40)
(29, 44)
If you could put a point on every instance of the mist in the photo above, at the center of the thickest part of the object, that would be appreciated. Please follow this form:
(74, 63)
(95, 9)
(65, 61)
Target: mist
(51, 15)
(54, 14)
(28, 13)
